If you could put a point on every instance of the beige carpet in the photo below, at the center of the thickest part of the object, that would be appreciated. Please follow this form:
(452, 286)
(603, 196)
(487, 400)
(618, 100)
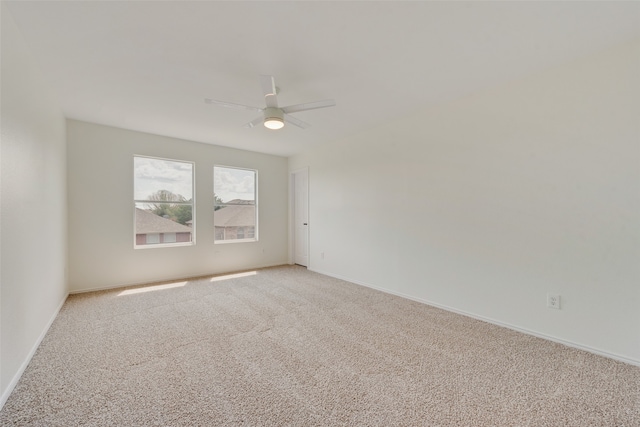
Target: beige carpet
(287, 347)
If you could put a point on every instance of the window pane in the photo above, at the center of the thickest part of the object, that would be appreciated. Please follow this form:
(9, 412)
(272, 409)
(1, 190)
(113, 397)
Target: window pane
(162, 178)
(163, 192)
(234, 185)
(235, 213)
(173, 222)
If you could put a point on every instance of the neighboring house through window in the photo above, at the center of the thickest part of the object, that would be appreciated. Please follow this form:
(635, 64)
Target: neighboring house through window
(235, 215)
(163, 199)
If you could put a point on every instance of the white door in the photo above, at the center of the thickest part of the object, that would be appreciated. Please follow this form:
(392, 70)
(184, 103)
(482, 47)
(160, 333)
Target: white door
(301, 217)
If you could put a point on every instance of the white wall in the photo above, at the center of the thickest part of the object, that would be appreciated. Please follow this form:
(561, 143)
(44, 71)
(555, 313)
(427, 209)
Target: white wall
(101, 253)
(486, 204)
(33, 213)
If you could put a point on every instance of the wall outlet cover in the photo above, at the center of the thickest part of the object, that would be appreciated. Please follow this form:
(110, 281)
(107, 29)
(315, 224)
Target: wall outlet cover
(553, 301)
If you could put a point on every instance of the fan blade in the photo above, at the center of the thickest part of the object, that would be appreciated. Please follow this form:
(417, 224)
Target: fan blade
(231, 105)
(255, 122)
(296, 122)
(308, 106)
(268, 84)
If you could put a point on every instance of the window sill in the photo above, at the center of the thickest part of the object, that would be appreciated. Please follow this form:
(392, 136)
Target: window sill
(224, 242)
(164, 245)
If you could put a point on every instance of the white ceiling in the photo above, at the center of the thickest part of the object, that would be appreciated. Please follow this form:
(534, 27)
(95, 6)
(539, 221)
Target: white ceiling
(148, 65)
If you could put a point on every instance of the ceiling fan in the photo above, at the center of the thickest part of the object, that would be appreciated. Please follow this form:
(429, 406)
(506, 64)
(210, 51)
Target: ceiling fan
(273, 117)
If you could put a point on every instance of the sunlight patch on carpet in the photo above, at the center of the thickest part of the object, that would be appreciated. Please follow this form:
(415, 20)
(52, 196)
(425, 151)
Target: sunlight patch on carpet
(152, 288)
(233, 276)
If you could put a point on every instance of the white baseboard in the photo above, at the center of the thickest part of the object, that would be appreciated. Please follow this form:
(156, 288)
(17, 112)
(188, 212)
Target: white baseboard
(14, 381)
(609, 355)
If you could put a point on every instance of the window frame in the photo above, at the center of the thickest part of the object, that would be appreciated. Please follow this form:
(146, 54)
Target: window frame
(192, 203)
(255, 237)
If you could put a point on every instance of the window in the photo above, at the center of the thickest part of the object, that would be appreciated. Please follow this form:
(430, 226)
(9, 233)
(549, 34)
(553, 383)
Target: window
(163, 200)
(235, 204)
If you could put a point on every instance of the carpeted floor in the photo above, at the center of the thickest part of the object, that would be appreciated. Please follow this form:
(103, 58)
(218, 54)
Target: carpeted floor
(288, 347)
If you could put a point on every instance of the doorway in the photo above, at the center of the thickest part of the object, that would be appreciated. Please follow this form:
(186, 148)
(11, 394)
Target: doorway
(300, 204)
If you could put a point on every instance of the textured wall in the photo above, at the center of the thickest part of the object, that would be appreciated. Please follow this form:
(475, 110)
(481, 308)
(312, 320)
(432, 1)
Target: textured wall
(101, 252)
(33, 228)
(486, 204)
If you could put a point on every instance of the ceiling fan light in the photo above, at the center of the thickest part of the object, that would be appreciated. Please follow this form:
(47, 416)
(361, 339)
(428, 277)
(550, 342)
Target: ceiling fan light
(273, 118)
(273, 123)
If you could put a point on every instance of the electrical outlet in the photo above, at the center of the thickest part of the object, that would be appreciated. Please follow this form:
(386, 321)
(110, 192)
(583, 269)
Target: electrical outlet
(553, 301)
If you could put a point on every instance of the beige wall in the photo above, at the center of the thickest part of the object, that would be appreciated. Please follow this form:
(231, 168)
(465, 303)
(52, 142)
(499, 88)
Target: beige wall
(497, 199)
(33, 206)
(100, 172)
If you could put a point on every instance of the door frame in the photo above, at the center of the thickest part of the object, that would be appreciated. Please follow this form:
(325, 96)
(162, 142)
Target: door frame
(292, 225)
